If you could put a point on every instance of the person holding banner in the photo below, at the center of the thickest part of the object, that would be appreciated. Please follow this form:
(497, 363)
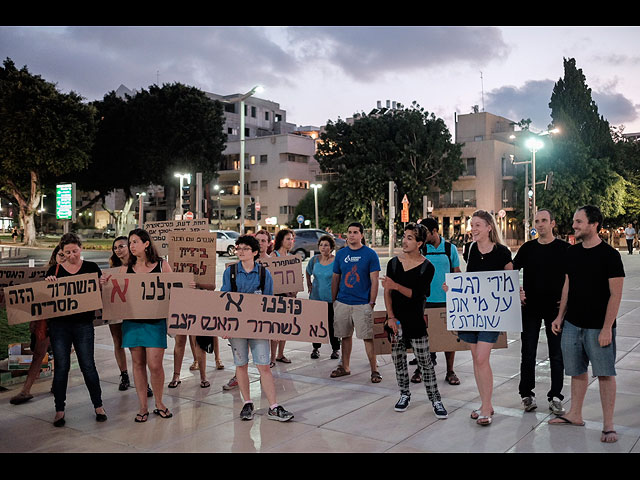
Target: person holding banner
(248, 276)
(285, 239)
(320, 267)
(146, 339)
(406, 287)
(74, 330)
(486, 253)
(39, 341)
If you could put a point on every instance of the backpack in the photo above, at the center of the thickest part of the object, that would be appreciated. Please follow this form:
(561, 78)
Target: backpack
(233, 271)
(447, 252)
(394, 266)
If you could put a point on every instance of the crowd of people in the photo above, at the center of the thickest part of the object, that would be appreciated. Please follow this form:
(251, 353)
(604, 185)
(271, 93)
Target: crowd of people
(575, 290)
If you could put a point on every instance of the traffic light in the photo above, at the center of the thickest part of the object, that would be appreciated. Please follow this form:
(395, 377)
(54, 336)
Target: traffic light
(238, 212)
(251, 211)
(187, 198)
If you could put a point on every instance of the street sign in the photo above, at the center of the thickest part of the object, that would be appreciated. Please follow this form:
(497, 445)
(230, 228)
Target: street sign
(188, 216)
(257, 207)
(502, 214)
(65, 201)
(534, 232)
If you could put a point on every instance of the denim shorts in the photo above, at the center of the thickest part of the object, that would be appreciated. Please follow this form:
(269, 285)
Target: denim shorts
(475, 337)
(580, 346)
(260, 351)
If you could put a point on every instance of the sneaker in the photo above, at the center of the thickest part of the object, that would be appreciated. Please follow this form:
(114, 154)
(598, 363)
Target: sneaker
(555, 405)
(279, 414)
(335, 355)
(247, 411)
(124, 382)
(403, 403)
(233, 383)
(315, 353)
(439, 410)
(529, 404)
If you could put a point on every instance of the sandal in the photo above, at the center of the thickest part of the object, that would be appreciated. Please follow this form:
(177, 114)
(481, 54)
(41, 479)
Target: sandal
(484, 421)
(20, 398)
(141, 418)
(609, 436)
(175, 383)
(417, 376)
(163, 413)
(452, 378)
(219, 365)
(283, 359)
(205, 384)
(272, 364)
(194, 366)
(476, 414)
(376, 377)
(339, 372)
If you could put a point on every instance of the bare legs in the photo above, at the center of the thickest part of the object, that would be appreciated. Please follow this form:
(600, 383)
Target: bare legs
(151, 357)
(480, 352)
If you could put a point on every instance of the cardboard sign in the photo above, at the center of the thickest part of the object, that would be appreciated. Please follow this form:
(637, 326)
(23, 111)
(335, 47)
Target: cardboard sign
(247, 315)
(286, 272)
(484, 301)
(140, 296)
(443, 340)
(40, 300)
(158, 231)
(17, 276)
(381, 343)
(99, 321)
(194, 252)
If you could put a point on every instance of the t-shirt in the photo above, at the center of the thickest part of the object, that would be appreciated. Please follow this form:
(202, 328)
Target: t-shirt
(322, 276)
(543, 271)
(442, 265)
(410, 311)
(86, 267)
(247, 282)
(354, 268)
(496, 259)
(589, 271)
(629, 233)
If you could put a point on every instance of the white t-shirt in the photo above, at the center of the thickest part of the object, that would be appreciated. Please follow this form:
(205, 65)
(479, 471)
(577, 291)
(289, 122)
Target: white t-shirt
(629, 233)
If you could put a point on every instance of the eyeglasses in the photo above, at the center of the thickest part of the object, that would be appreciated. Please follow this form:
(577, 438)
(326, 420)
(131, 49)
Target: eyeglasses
(243, 249)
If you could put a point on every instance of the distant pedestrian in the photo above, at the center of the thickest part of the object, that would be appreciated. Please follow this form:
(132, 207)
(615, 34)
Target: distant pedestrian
(587, 318)
(630, 236)
(283, 244)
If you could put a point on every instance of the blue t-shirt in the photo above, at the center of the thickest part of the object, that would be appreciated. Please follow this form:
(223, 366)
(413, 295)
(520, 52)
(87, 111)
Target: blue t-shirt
(322, 276)
(247, 282)
(354, 268)
(441, 264)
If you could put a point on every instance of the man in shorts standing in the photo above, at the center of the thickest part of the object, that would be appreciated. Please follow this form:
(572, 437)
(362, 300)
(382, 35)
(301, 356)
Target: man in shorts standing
(354, 289)
(587, 318)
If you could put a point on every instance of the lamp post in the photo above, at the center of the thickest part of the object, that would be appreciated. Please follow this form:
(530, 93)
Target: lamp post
(220, 192)
(533, 144)
(181, 176)
(315, 197)
(42, 212)
(241, 99)
(140, 208)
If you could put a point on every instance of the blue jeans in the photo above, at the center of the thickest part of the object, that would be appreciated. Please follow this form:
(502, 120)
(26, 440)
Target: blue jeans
(81, 335)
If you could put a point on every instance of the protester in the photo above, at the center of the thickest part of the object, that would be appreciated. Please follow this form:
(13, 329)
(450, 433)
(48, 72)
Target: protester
(487, 253)
(406, 286)
(541, 261)
(587, 318)
(630, 236)
(248, 276)
(146, 339)
(285, 239)
(39, 342)
(73, 330)
(320, 268)
(354, 288)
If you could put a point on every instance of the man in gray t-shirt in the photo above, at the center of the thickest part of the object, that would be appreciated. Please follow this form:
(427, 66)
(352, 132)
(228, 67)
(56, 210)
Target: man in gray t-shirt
(630, 236)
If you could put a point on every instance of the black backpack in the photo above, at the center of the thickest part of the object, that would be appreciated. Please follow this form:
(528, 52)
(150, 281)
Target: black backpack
(447, 252)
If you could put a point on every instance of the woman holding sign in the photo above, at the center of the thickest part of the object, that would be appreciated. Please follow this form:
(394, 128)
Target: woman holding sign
(487, 253)
(146, 339)
(285, 239)
(73, 330)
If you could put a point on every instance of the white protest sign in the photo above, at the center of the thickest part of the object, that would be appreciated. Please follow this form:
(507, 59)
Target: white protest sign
(484, 301)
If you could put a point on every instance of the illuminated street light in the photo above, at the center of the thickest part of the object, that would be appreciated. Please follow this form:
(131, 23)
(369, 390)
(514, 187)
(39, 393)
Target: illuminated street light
(315, 197)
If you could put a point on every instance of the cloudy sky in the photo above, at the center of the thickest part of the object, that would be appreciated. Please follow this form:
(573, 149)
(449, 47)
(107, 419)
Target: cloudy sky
(324, 73)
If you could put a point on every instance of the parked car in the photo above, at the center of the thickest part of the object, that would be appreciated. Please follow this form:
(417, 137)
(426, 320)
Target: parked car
(307, 240)
(226, 241)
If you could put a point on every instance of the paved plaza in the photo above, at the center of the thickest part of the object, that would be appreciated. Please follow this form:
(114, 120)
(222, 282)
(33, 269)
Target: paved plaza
(348, 414)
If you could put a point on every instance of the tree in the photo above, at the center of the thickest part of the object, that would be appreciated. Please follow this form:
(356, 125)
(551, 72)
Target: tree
(408, 146)
(580, 156)
(43, 134)
(144, 139)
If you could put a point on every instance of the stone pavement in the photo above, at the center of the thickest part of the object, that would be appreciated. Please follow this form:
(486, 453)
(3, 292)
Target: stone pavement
(349, 414)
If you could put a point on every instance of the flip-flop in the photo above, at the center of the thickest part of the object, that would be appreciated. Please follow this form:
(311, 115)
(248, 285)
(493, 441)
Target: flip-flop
(339, 372)
(20, 398)
(484, 421)
(163, 413)
(564, 421)
(452, 378)
(283, 359)
(476, 414)
(174, 383)
(141, 417)
(205, 384)
(606, 433)
(376, 377)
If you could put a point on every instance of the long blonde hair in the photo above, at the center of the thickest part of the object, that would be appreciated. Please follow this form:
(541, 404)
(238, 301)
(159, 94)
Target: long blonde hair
(494, 233)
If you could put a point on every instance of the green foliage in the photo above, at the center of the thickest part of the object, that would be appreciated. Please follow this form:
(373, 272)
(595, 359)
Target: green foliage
(409, 146)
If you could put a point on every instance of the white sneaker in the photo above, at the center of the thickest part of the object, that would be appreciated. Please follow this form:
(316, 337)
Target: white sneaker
(529, 404)
(555, 405)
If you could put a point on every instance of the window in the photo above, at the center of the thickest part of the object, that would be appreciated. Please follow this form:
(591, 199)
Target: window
(252, 159)
(254, 112)
(230, 107)
(469, 167)
(263, 159)
(287, 209)
(263, 184)
(266, 116)
(254, 186)
(289, 183)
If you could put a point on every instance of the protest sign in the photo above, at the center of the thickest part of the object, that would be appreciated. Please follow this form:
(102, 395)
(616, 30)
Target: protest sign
(247, 315)
(194, 252)
(286, 272)
(443, 340)
(484, 301)
(40, 300)
(18, 275)
(381, 343)
(158, 231)
(140, 296)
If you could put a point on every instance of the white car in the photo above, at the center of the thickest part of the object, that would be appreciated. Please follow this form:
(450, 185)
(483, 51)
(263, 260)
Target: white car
(226, 241)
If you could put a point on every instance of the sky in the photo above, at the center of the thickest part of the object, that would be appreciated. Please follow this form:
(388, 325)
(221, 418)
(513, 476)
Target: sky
(323, 73)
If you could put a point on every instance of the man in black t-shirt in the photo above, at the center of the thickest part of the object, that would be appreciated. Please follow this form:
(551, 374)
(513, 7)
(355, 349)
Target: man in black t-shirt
(542, 263)
(587, 318)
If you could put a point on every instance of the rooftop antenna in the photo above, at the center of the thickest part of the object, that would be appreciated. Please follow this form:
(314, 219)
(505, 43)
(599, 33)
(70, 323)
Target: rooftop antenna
(482, 89)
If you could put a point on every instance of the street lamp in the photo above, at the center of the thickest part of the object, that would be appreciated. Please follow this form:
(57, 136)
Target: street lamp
(315, 197)
(181, 176)
(241, 99)
(140, 208)
(42, 211)
(220, 192)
